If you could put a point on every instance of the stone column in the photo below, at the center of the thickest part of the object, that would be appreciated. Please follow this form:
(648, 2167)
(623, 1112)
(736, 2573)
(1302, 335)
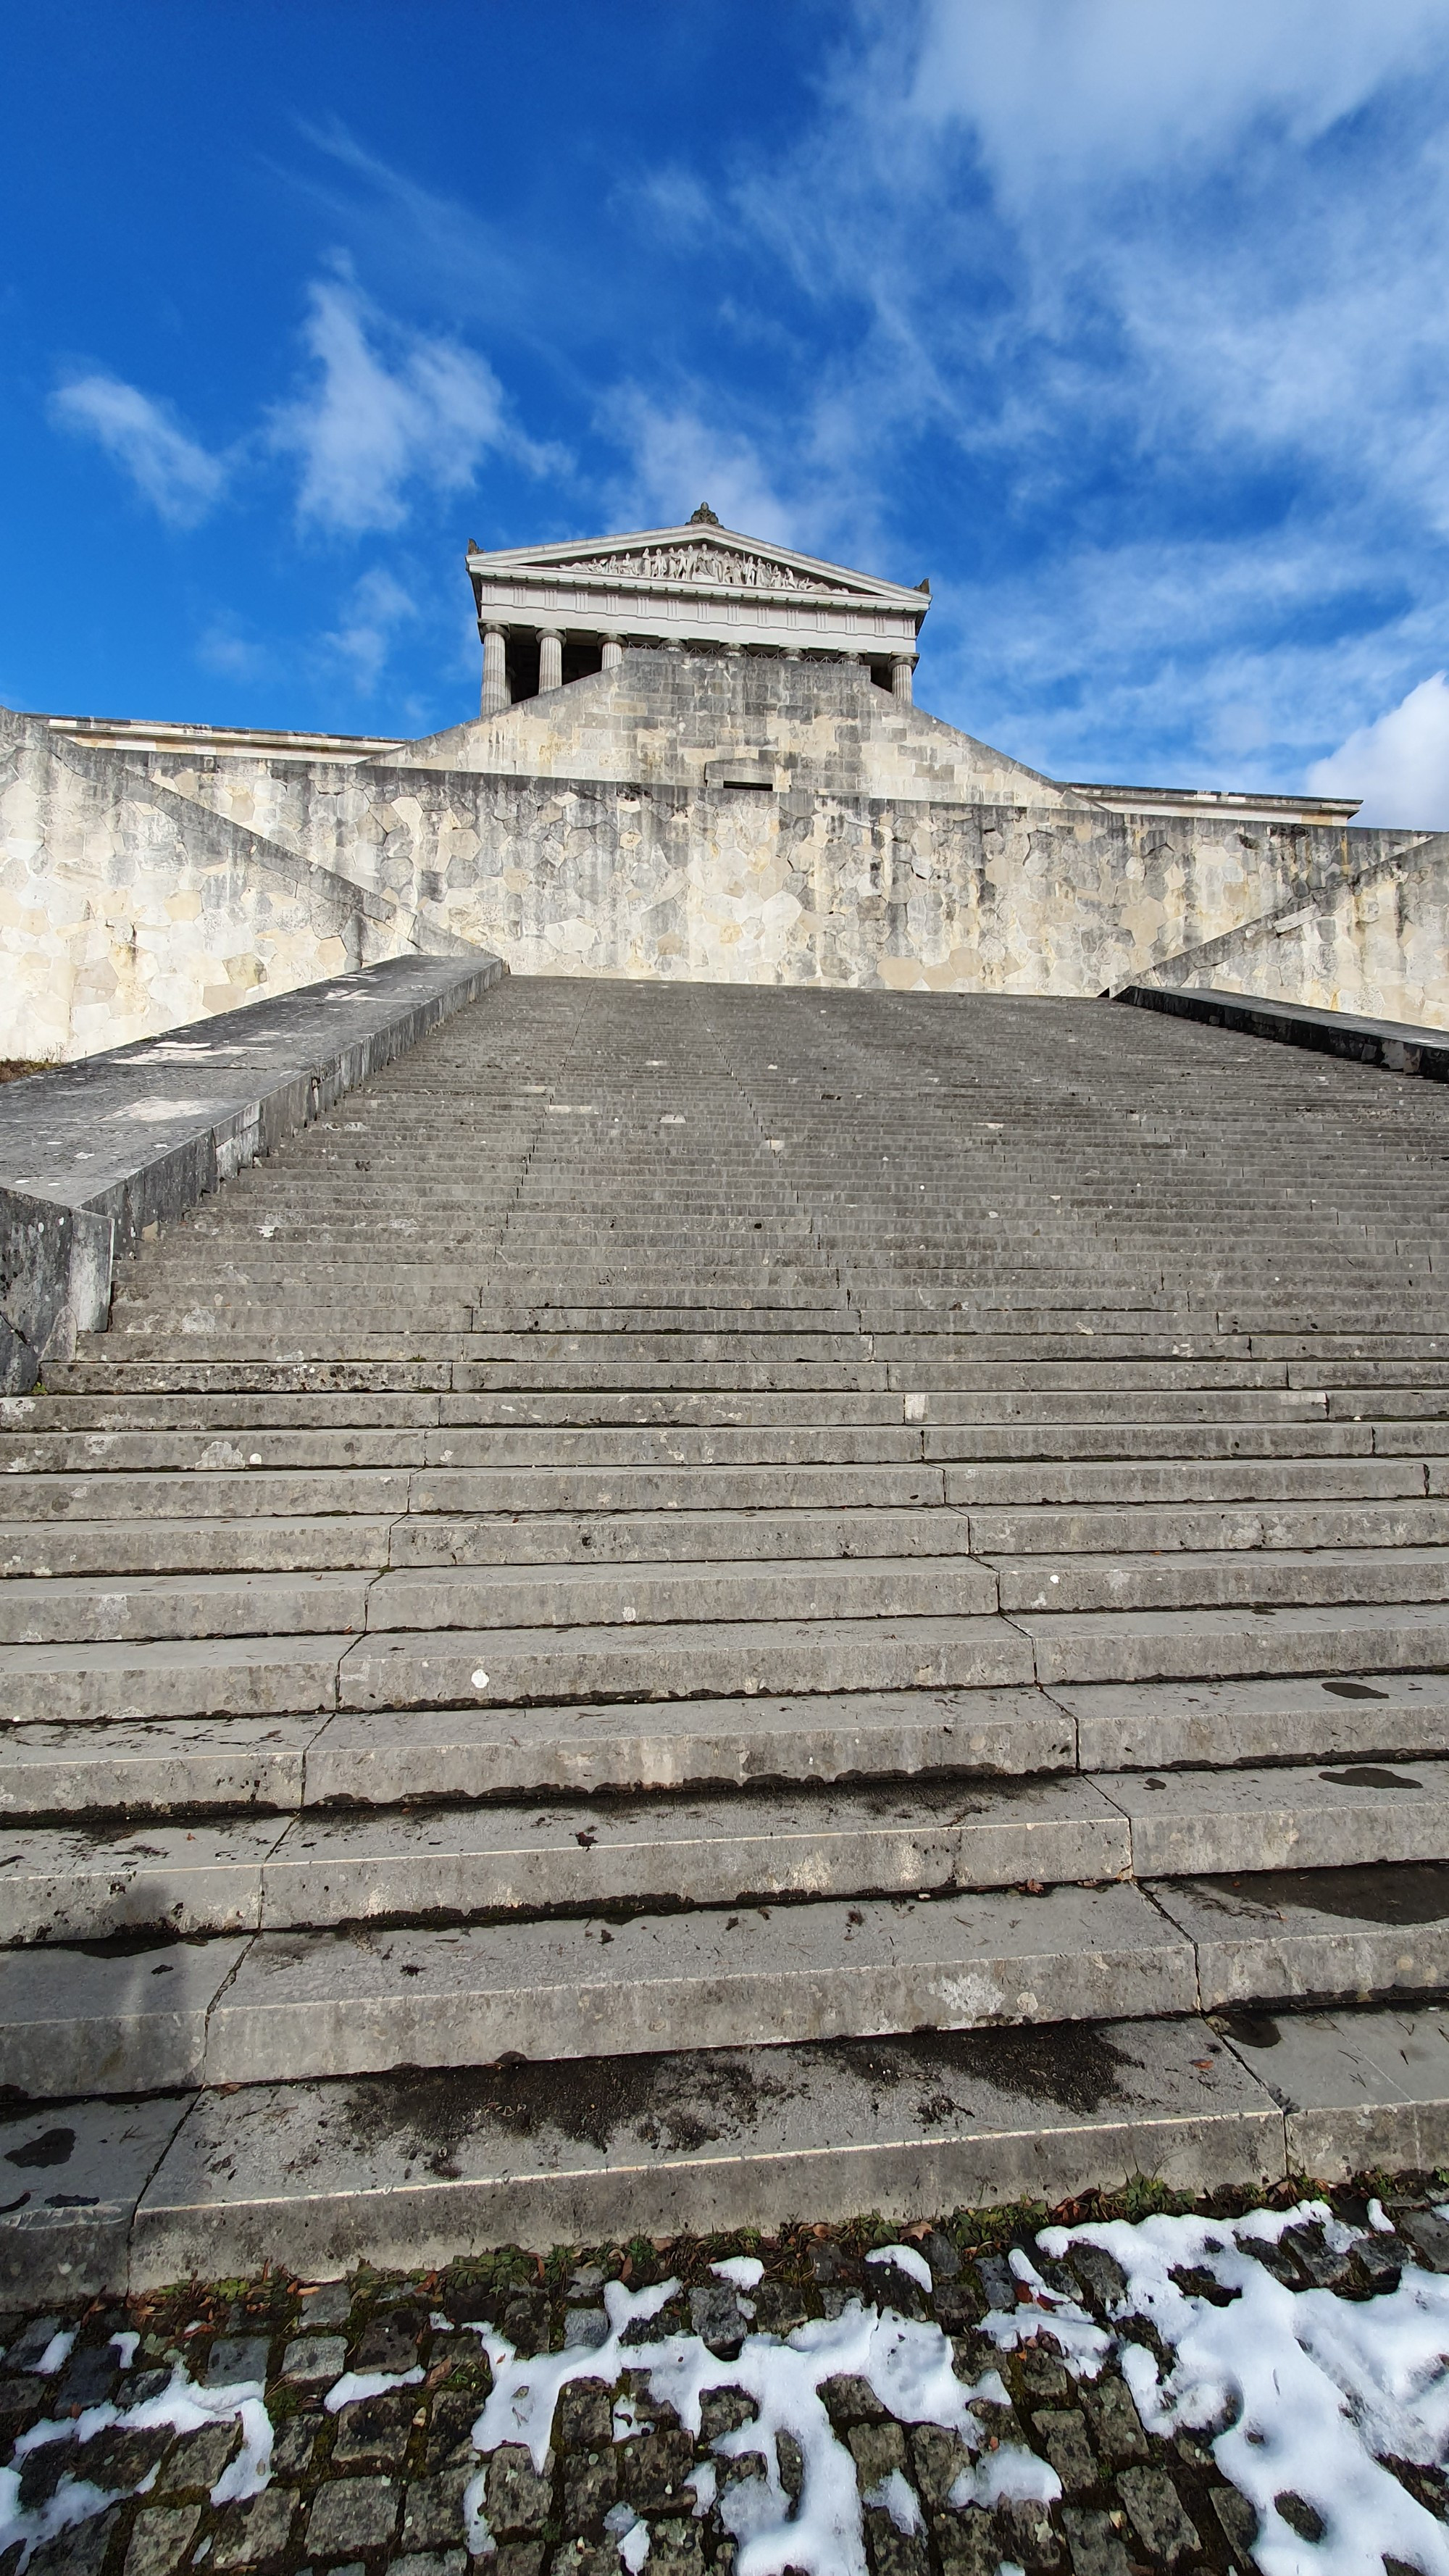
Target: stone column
(613, 652)
(550, 659)
(901, 679)
(495, 674)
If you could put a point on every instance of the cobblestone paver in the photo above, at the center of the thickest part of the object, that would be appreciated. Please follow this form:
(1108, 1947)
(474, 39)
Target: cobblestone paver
(344, 2442)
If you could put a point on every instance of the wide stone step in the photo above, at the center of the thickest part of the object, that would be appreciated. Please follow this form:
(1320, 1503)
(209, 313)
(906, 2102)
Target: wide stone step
(63, 1453)
(220, 1493)
(1129, 1438)
(124, 1548)
(1327, 1479)
(1309, 1935)
(1355, 1714)
(62, 1769)
(183, 1677)
(283, 2006)
(929, 1837)
(317, 2177)
(1140, 1645)
(1190, 1580)
(253, 1872)
(1136, 1529)
(752, 1589)
(116, 1608)
(670, 1538)
(513, 1666)
(662, 1489)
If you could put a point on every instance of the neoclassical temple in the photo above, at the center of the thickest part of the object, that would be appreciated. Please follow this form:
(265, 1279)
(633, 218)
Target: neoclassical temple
(552, 614)
(698, 755)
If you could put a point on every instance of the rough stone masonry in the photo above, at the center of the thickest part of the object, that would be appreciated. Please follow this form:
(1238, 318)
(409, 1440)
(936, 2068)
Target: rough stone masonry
(697, 758)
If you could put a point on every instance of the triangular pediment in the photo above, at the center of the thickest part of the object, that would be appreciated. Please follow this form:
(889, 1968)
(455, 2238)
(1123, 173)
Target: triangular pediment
(701, 557)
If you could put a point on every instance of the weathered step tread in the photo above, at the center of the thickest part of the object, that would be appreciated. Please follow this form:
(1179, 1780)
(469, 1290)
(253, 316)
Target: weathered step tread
(1290, 1817)
(693, 1592)
(182, 1677)
(702, 1660)
(386, 1757)
(315, 2177)
(1127, 1645)
(59, 1771)
(72, 1884)
(75, 1549)
(1353, 1713)
(295, 2005)
(303, 2004)
(1206, 1578)
(1361, 2091)
(116, 1609)
(1312, 1935)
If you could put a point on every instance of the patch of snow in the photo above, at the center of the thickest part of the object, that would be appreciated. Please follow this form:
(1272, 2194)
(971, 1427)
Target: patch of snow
(905, 2259)
(367, 2383)
(745, 2270)
(1298, 2390)
(1007, 2475)
(1085, 2346)
(183, 2405)
(907, 2364)
(895, 2496)
(56, 2354)
(125, 2345)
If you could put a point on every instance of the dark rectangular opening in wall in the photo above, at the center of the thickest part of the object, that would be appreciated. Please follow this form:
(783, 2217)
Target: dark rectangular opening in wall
(581, 659)
(521, 656)
(880, 672)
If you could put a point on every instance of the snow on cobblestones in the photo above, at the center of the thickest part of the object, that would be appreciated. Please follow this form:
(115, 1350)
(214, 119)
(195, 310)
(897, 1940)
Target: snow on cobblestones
(184, 2406)
(1303, 2393)
(1325, 2407)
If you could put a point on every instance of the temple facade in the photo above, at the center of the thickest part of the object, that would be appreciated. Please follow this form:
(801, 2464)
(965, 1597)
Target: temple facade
(551, 614)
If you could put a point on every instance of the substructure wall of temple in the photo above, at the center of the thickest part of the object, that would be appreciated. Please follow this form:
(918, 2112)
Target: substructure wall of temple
(723, 818)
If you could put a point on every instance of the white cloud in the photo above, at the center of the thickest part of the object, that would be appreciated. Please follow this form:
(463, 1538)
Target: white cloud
(377, 606)
(176, 474)
(1398, 765)
(680, 459)
(368, 428)
(1108, 89)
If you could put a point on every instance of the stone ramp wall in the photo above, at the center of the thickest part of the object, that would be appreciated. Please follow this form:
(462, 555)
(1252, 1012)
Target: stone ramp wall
(1376, 943)
(127, 910)
(794, 885)
(875, 848)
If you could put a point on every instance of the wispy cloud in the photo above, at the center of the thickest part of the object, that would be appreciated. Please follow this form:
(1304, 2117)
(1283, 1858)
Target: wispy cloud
(173, 471)
(678, 458)
(377, 607)
(223, 649)
(386, 408)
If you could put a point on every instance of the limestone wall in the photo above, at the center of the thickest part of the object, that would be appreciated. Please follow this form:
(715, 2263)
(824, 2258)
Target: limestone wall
(139, 889)
(754, 885)
(1376, 944)
(663, 717)
(126, 910)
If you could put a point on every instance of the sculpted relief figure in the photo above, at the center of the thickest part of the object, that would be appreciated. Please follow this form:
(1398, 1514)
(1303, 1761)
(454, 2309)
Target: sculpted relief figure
(701, 563)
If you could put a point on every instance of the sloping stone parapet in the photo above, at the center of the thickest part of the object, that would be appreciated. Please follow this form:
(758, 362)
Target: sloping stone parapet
(96, 1155)
(1390, 1043)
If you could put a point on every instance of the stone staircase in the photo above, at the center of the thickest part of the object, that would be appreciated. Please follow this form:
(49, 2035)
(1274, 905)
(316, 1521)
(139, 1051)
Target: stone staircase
(709, 1603)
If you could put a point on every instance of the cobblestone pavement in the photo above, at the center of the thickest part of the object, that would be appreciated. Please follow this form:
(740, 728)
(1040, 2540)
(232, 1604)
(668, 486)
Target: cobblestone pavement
(333, 2427)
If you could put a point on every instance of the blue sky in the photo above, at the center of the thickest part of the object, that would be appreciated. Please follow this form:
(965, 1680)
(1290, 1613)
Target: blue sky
(1127, 321)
